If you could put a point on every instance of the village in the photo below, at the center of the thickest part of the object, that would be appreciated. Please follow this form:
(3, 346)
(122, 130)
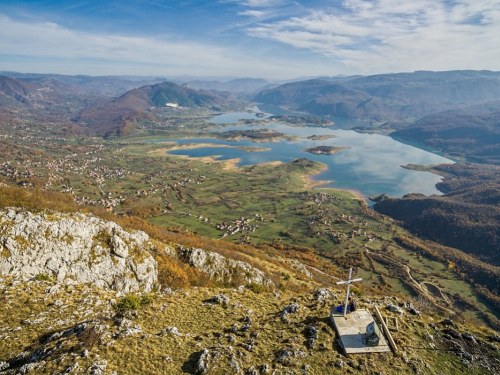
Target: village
(241, 225)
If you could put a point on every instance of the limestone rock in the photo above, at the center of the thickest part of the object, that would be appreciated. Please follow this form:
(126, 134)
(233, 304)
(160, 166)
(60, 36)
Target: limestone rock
(395, 309)
(290, 309)
(218, 267)
(219, 299)
(324, 294)
(76, 248)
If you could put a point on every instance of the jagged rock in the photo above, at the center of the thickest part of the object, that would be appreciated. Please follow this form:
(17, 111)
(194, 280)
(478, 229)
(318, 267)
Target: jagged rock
(221, 268)
(494, 338)
(290, 309)
(469, 336)
(219, 299)
(412, 309)
(264, 369)
(124, 323)
(323, 294)
(468, 356)
(249, 345)
(287, 356)
(203, 362)
(3, 366)
(339, 364)
(98, 367)
(449, 322)
(300, 267)
(395, 309)
(75, 366)
(174, 331)
(312, 332)
(76, 248)
(128, 332)
(25, 369)
(452, 333)
(234, 363)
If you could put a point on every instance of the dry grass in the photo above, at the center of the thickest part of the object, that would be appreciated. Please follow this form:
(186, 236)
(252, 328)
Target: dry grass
(202, 325)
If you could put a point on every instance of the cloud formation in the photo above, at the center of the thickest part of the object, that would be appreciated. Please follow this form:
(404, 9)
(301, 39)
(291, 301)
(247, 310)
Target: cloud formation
(391, 35)
(64, 48)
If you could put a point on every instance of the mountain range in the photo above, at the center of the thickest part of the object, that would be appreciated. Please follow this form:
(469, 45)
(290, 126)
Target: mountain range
(387, 97)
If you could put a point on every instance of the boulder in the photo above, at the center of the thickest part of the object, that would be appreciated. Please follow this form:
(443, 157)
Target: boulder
(220, 268)
(76, 248)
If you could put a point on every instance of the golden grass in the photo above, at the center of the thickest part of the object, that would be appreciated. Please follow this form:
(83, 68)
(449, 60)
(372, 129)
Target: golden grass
(205, 325)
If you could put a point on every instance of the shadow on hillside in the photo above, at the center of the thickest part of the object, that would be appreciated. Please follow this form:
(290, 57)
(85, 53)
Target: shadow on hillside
(190, 365)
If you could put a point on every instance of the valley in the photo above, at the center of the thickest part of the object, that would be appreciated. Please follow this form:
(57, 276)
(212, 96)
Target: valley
(285, 194)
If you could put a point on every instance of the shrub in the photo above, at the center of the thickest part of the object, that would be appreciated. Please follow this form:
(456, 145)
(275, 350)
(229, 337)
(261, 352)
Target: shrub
(132, 302)
(42, 277)
(256, 288)
(89, 337)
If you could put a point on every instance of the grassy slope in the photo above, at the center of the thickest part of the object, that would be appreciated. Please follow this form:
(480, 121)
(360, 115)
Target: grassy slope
(209, 326)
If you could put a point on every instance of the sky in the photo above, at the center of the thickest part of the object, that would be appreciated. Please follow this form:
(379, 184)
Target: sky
(271, 39)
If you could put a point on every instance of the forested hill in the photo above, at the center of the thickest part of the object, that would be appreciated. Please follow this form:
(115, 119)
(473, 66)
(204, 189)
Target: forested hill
(475, 137)
(467, 217)
(388, 97)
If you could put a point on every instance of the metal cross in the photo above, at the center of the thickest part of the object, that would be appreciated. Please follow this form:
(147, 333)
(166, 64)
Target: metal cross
(348, 282)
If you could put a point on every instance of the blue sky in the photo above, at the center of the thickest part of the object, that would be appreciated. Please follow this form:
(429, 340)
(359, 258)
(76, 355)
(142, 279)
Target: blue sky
(273, 39)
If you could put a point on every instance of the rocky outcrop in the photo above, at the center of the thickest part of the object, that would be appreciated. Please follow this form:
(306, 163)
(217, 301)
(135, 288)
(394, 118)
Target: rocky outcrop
(76, 248)
(221, 268)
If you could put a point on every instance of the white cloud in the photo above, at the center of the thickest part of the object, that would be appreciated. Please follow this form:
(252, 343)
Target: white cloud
(49, 47)
(253, 13)
(391, 35)
(51, 40)
(257, 3)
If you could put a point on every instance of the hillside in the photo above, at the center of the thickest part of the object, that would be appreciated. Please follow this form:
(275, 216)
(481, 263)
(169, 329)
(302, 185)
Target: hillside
(118, 116)
(475, 137)
(466, 217)
(387, 97)
(238, 87)
(55, 322)
(15, 94)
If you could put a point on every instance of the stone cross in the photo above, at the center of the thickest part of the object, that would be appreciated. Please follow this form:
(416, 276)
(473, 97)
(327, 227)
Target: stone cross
(349, 281)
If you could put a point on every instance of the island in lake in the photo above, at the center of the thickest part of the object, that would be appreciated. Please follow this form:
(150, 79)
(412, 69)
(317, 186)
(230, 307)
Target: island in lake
(324, 150)
(321, 137)
(256, 135)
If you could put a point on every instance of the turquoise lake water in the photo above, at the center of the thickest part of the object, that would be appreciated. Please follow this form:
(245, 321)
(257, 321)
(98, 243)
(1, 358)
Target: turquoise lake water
(371, 165)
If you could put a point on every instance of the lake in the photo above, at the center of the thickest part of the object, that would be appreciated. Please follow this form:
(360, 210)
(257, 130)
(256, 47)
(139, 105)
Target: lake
(371, 165)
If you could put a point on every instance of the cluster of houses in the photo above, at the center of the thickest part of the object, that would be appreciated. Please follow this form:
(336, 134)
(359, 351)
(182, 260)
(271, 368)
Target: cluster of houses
(319, 197)
(323, 216)
(6, 169)
(108, 202)
(239, 225)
